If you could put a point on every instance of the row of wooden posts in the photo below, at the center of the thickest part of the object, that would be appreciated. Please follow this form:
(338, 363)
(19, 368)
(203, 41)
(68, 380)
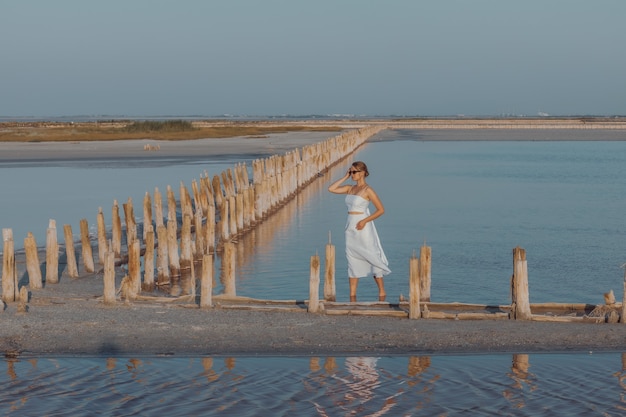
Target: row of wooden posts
(419, 296)
(216, 211)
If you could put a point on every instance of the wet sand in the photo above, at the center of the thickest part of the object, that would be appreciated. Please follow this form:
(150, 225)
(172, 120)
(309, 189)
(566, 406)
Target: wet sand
(69, 318)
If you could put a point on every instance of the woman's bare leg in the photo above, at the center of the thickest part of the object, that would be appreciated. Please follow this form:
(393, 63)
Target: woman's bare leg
(382, 295)
(354, 283)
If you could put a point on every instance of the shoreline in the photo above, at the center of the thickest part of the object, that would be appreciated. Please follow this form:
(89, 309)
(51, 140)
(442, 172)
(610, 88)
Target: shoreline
(69, 319)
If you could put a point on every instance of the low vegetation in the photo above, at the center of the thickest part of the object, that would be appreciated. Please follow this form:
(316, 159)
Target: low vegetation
(156, 130)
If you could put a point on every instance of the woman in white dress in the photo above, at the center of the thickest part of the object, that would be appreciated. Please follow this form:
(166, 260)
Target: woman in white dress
(363, 249)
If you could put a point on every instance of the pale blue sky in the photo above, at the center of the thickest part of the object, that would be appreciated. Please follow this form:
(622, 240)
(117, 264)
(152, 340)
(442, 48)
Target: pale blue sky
(273, 57)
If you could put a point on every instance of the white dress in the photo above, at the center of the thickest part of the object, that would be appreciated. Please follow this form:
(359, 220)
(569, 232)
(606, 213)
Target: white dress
(363, 249)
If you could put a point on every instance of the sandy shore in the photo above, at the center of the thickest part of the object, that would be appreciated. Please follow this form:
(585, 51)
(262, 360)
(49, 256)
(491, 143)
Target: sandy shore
(69, 318)
(263, 146)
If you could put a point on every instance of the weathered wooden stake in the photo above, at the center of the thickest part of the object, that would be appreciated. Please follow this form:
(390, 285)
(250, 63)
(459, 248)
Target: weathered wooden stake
(131, 223)
(414, 288)
(185, 201)
(206, 286)
(147, 214)
(520, 309)
(163, 270)
(148, 261)
(174, 258)
(171, 209)
(86, 246)
(32, 262)
(102, 236)
(199, 235)
(228, 269)
(186, 258)
(116, 231)
(314, 285)
(424, 272)
(109, 278)
(223, 223)
(232, 217)
(52, 253)
(10, 291)
(239, 211)
(70, 254)
(209, 240)
(134, 265)
(329, 272)
(158, 208)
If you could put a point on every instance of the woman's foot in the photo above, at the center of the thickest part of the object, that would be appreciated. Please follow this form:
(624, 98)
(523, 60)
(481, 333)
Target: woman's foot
(382, 297)
(353, 298)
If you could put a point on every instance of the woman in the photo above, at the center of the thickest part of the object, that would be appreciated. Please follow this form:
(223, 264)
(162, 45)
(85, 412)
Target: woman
(363, 249)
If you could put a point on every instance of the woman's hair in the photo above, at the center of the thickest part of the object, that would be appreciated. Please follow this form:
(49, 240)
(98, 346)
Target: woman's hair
(361, 167)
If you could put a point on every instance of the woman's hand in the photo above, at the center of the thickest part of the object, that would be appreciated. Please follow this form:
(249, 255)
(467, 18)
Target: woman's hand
(361, 224)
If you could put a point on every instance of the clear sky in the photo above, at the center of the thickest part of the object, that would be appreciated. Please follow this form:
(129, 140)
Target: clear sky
(296, 57)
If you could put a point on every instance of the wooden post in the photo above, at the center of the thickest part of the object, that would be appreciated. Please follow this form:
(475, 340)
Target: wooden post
(232, 217)
(217, 191)
(10, 291)
(414, 288)
(109, 278)
(86, 246)
(147, 214)
(251, 209)
(116, 232)
(174, 258)
(239, 211)
(103, 246)
(171, 209)
(197, 197)
(424, 272)
(185, 201)
(329, 273)
(163, 271)
(209, 240)
(247, 220)
(186, 258)
(32, 262)
(228, 269)
(314, 285)
(52, 253)
(223, 223)
(520, 309)
(199, 235)
(148, 261)
(131, 223)
(134, 265)
(206, 287)
(70, 254)
(158, 207)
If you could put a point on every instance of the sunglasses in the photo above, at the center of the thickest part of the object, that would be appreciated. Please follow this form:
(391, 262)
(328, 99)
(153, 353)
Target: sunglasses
(353, 172)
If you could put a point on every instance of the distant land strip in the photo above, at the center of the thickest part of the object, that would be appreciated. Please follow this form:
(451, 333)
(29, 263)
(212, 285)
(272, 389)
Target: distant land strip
(109, 130)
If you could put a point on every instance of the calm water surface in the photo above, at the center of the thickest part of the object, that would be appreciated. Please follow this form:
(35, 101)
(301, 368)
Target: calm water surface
(472, 202)
(508, 385)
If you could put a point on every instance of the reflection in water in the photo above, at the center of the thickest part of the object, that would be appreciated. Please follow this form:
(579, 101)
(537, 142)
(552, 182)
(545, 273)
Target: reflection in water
(621, 377)
(327, 386)
(522, 381)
